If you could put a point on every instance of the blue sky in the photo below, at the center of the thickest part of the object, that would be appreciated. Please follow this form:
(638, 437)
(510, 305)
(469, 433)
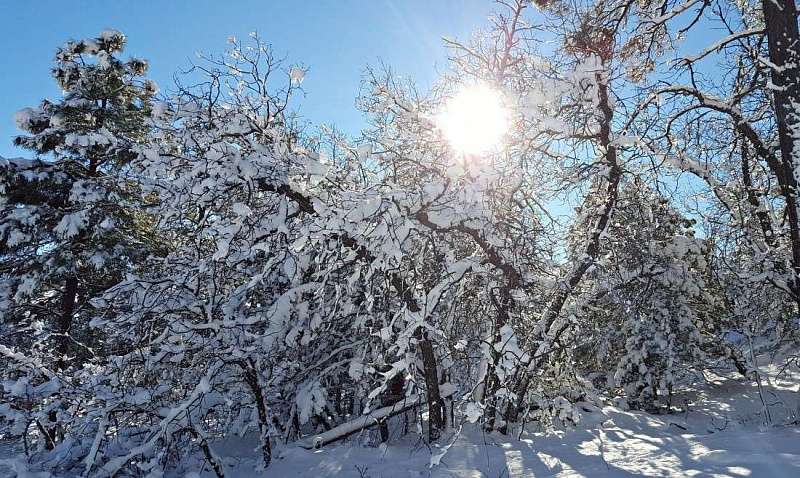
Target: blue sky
(335, 39)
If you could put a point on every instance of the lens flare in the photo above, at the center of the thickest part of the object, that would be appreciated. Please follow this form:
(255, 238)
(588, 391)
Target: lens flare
(474, 120)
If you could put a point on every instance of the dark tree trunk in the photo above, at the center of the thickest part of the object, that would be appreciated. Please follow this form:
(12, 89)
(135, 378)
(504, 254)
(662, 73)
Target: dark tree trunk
(63, 326)
(608, 190)
(764, 220)
(395, 392)
(491, 385)
(252, 380)
(780, 18)
(430, 368)
(429, 363)
(430, 371)
(64, 321)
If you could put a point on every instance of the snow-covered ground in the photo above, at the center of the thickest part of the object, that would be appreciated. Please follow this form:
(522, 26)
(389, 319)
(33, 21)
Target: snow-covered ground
(626, 445)
(724, 432)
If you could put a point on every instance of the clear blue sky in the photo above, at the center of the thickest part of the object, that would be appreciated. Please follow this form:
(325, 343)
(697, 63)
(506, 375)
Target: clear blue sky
(335, 39)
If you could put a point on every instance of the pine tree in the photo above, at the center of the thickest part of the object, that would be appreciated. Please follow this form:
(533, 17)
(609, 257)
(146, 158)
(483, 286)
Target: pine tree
(68, 230)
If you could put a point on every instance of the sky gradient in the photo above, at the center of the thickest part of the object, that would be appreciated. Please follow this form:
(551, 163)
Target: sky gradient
(335, 39)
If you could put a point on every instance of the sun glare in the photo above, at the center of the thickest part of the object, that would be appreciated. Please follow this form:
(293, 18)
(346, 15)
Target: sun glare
(474, 120)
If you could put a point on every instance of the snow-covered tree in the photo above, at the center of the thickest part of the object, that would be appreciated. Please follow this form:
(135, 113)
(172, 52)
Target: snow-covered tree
(180, 271)
(71, 226)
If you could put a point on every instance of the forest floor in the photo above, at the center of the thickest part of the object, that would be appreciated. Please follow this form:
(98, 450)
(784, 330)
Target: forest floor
(724, 431)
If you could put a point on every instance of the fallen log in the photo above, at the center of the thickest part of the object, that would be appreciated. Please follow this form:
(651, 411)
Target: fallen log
(363, 422)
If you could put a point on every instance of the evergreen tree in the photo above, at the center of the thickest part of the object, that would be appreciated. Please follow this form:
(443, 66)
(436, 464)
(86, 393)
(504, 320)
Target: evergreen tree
(68, 227)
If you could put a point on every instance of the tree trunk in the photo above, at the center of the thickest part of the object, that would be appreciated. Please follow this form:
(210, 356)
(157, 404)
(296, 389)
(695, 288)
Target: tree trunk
(430, 371)
(608, 188)
(252, 380)
(491, 380)
(430, 368)
(63, 326)
(395, 392)
(780, 18)
(64, 321)
(360, 423)
(764, 220)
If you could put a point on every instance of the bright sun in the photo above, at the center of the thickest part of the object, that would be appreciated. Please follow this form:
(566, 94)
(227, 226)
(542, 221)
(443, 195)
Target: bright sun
(474, 120)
